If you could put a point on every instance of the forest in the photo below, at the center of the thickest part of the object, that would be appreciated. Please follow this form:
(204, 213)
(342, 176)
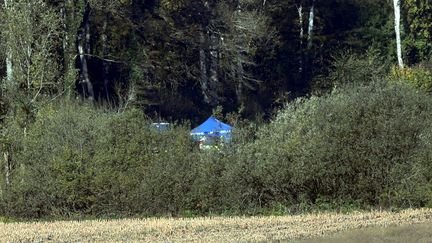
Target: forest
(330, 101)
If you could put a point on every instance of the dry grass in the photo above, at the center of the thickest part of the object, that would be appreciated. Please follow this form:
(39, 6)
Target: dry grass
(217, 229)
(419, 233)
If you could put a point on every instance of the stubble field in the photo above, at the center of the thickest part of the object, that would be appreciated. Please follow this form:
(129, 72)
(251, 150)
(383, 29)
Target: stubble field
(215, 229)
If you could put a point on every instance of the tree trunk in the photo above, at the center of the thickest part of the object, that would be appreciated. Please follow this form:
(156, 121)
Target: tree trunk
(214, 64)
(311, 25)
(65, 40)
(7, 167)
(68, 44)
(240, 75)
(396, 4)
(301, 36)
(307, 54)
(105, 64)
(210, 82)
(239, 69)
(9, 66)
(203, 67)
(64, 16)
(83, 50)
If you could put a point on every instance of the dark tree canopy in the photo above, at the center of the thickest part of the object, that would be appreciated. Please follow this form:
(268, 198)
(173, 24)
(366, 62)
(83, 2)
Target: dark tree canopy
(181, 59)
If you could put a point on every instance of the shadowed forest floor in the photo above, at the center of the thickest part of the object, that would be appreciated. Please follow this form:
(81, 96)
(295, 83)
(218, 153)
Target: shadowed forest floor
(224, 229)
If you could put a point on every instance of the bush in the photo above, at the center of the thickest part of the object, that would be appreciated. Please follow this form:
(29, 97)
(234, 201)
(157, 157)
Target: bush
(75, 159)
(364, 144)
(358, 146)
(419, 77)
(141, 171)
(52, 173)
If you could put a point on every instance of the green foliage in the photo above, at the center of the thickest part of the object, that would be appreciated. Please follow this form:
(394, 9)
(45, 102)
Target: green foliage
(32, 54)
(52, 172)
(139, 170)
(352, 68)
(360, 146)
(420, 77)
(218, 112)
(357, 144)
(6, 220)
(363, 143)
(76, 159)
(418, 43)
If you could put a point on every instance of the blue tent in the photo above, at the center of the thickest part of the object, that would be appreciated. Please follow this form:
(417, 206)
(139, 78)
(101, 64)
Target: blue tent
(212, 127)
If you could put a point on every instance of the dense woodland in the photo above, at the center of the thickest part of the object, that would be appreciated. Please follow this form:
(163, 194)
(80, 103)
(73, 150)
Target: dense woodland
(330, 101)
(179, 59)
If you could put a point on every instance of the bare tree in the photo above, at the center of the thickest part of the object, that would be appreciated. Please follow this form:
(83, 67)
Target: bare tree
(247, 26)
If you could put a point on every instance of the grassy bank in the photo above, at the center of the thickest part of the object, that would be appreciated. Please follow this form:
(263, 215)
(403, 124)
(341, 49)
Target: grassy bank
(217, 229)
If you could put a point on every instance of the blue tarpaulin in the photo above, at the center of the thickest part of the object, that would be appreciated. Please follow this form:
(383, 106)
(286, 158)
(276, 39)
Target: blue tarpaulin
(212, 127)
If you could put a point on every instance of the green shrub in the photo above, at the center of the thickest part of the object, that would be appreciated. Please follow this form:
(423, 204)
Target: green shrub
(139, 170)
(419, 77)
(52, 173)
(358, 144)
(75, 159)
(352, 68)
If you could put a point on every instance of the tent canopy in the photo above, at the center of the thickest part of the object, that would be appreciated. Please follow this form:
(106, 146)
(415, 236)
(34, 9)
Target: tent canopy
(212, 127)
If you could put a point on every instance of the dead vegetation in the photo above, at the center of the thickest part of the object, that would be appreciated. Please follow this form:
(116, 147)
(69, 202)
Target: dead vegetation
(215, 229)
(419, 233)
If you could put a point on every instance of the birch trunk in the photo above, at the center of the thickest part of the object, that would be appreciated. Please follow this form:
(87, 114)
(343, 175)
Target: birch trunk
(301, 36)
(396, 4)
(307, 55)
(7, 167)
(83, 49)
(9, 66)
(311, 25)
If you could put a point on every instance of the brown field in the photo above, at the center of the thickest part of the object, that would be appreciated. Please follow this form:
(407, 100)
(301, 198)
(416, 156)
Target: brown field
(216, 229)
(418, 233)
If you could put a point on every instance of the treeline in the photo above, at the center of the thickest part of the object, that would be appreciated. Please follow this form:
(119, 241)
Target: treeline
(180, 59)
(363, 145)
